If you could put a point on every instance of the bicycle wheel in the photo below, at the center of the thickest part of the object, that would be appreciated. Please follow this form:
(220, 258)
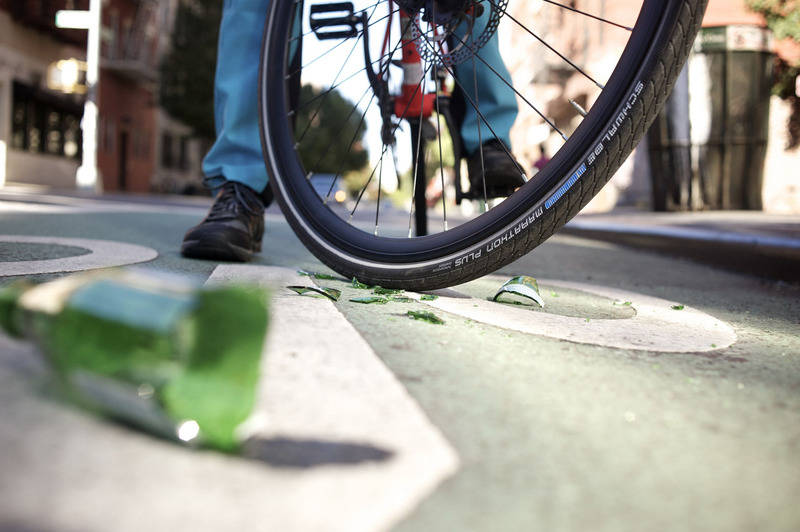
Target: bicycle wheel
(623, 101)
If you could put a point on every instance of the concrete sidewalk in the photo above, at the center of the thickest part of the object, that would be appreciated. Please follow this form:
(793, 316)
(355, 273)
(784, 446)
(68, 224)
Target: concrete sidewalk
(762, 244)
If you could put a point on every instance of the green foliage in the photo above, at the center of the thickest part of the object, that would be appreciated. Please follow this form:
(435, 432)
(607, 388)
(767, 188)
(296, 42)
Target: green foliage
(187, 71)
(327, 124)
(783, 16)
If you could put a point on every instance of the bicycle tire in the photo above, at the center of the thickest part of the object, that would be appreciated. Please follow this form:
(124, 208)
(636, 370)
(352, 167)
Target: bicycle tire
(638, 88)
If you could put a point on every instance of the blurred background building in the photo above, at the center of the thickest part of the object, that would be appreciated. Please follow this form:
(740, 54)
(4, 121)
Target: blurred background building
(729, 133)
(140, 147)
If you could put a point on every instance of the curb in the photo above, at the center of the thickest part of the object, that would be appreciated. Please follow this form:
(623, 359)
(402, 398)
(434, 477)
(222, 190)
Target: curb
(774, 257)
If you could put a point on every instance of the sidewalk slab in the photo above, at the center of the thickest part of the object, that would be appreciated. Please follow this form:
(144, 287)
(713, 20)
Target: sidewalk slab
(751, 242)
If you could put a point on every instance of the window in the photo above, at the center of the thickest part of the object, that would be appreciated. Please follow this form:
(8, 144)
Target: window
(166, 150)
(44, 123)
(183, 155)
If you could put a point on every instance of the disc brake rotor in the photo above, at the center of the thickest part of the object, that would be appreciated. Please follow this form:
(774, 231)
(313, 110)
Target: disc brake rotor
(464, 45)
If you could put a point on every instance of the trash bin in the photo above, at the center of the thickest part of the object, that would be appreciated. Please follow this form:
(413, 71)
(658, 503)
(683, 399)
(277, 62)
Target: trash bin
(725, 98)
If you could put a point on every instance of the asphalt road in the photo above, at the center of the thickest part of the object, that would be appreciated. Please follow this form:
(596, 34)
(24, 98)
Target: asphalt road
(589, 414)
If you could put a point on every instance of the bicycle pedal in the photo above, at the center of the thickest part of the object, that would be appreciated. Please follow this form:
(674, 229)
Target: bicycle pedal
(334, 21)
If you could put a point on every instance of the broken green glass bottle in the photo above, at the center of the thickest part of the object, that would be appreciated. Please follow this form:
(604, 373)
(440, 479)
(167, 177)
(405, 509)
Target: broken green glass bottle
(149, 349)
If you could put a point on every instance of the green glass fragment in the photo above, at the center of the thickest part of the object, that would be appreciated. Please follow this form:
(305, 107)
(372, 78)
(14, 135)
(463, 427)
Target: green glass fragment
(429, 317)
(370, 300)
(428, 297)
(359, 285)
(313, 291)
(524, 286)
(401, 299)
(314, 275)
(385, 291)
(678, 307)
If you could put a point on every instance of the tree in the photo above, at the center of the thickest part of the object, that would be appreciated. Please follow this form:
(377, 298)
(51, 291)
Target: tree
(329, 133)
(187, 71)
(783, 18)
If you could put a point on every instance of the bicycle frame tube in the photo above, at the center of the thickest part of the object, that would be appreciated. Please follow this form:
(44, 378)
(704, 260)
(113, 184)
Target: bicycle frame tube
(411, 102)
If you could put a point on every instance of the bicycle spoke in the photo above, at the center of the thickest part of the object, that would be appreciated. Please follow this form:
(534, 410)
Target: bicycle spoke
(309, 32)
(439, 134)
(474, 106)
(378, 204)
(480, 131)
(334, 47)
(601, 19)
(348, 78)
(334, 87)
(330, 144)
(355, 107)
(559, 54)
(349, 147)
(509, 85)
(335, 79)
(385, 147)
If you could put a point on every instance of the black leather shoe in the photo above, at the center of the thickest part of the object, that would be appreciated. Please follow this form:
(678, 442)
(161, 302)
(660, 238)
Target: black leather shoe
(233, 229)
(503, 173)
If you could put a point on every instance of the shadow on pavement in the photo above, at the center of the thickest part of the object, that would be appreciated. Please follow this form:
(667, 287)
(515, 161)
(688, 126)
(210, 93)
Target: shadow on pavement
(303, 454)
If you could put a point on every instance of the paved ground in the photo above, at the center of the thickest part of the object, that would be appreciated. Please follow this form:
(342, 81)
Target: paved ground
(587, 415)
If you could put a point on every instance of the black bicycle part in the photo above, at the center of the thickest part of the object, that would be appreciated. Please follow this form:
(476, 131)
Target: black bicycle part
(334, 21)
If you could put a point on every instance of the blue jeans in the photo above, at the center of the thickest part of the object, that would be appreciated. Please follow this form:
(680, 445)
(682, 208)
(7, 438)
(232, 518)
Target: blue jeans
(236, 154)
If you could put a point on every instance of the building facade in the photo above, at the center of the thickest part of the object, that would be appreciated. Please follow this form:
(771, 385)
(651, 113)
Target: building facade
(40, 136)
(40, 140)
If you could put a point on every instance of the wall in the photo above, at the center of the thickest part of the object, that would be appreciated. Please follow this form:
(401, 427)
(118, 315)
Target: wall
(36, 169)
(172, 178)
(126, 108)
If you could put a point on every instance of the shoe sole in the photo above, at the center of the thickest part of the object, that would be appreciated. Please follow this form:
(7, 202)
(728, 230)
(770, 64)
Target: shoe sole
(217, 251)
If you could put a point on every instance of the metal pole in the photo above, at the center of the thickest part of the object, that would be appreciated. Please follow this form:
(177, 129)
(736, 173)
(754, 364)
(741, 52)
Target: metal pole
(87, 177)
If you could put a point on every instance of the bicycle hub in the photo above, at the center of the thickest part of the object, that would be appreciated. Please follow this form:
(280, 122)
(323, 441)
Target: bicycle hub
(439, 11)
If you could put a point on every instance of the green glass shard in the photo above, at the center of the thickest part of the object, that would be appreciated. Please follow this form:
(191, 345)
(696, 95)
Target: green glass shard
(370, 300)
(524, 286)
(401, 299)
(428, 317)
(359, 285)
(313, 291)
(315, 275)
(428, 297)
(678, 307)
(385, 291)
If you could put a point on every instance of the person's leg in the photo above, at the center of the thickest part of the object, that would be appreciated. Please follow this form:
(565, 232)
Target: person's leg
(496, 100)
(492, 171)
(236, 154)
(234, 167)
